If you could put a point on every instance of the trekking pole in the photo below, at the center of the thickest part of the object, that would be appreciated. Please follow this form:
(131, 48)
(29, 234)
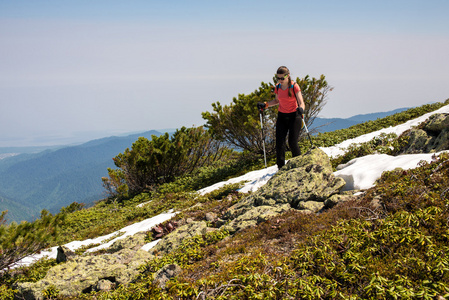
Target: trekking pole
(307, 130)
(263, 138)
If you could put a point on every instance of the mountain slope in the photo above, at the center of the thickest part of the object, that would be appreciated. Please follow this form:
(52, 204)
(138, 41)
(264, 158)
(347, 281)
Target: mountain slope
(53, 179)
(302, 249)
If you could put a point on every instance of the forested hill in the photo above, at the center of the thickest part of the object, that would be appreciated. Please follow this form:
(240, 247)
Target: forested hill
(56, 178)
(332, 124)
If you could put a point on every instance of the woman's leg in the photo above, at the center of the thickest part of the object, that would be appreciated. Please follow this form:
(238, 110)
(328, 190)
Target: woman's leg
(295, 125)
(281, 134)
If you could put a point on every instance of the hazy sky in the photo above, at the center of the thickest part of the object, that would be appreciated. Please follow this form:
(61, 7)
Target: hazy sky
(73, 70)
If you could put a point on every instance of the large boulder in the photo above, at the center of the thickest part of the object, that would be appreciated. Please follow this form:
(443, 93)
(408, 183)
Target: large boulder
(430, 136)
(89, 272)
(304, 183)
(175, 238)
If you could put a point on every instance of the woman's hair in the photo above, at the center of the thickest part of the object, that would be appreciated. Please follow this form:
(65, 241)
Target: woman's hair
(283, 70)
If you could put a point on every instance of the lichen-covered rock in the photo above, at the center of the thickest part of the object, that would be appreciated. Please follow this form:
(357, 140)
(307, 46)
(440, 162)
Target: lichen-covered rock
(254, 216)
(104, 285)
(431, 136)
(313, 206)
(83, 273)
(308, 177)
(174, 239)
(305, 182)
(418, 141)
(130, 242)
(437, 123)
(335, 199)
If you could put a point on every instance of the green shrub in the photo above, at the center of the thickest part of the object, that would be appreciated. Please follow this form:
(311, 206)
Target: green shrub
(51, 292)
(383, 144)
(20, 240)
(6, 292)
(161, 160)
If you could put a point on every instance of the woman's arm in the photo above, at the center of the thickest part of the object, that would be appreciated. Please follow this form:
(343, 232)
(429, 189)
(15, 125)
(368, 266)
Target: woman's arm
(300, 100)
(273, 102)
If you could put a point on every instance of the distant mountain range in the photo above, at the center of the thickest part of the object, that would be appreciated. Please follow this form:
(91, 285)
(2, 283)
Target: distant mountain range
(59, 176)
(332, 124)
(55, 178)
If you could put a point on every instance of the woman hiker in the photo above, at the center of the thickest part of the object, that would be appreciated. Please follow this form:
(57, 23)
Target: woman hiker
(290, 113)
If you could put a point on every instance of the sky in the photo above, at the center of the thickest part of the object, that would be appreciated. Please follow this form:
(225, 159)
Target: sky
(359, 174)
(71, 71)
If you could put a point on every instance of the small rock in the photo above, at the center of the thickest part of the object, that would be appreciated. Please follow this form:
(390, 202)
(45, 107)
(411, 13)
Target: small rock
(64, 253)
(165, 274)
(335, 199)
(313, 206)
(210, 217)
(104, 285)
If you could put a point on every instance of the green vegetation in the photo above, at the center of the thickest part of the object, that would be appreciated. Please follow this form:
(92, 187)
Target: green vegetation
(20, 240)
(357, 250)
(151, 163)
(383, 144)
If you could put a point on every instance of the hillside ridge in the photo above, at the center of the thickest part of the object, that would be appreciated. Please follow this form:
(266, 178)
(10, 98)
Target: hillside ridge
(52, 179)
(264, 217)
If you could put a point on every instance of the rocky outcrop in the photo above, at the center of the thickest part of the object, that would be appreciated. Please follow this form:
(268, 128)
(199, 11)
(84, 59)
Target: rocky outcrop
(430, 136)
(92, 272)
(174, 240)
(304, 183)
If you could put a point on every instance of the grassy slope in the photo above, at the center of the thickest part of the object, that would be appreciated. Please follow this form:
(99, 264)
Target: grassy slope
(285, 257)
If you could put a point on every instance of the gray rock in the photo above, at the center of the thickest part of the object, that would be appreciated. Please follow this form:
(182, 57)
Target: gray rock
(313, 206)
(64, 254)
(130, 242)
(104, 285)
(165, 274)
(254, 216)
(437, 123)
(210, 216)
(174, 239)
(304, 183)
(83, 273)
(430, 136)
(335, 199)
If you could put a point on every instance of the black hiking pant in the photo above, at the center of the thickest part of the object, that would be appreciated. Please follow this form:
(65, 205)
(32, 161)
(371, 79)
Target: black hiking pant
(290, 124)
